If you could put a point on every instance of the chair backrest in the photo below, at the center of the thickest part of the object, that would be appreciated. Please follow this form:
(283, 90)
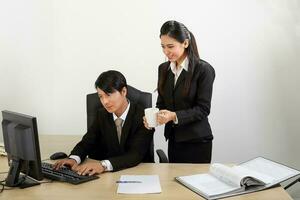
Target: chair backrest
(144, 99)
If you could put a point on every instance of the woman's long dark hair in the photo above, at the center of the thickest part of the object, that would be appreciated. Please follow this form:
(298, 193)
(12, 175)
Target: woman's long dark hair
(180, 33)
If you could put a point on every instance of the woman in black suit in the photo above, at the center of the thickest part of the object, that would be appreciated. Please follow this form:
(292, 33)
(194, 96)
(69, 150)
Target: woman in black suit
(185, 84)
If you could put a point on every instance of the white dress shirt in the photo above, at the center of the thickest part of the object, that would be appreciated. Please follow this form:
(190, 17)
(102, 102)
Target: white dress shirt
(107, 162)
(177, 70)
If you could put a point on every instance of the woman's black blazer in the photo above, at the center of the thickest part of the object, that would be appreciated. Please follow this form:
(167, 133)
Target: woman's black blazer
(192, 110)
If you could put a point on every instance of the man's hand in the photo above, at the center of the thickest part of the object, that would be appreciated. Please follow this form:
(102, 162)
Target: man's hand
(89, 168)
(65, 162)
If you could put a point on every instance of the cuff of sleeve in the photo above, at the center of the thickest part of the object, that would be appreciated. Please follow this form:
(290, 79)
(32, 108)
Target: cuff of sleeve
(76, 158)
(176, 119)
(107, 165)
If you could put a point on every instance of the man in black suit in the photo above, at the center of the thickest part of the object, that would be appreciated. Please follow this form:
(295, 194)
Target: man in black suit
(118, 131)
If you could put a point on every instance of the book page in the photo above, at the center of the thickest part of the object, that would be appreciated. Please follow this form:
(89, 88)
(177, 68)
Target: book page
(252, 177)
(206, 184)
(226, 174)
(276, 171)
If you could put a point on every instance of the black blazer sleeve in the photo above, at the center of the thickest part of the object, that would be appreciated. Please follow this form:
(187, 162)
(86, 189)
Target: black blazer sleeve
(89, 141)
(160, 102)
(201, 105)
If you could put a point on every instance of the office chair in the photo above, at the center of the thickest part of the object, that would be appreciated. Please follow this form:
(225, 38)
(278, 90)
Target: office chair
(134, 95)
(162, 156)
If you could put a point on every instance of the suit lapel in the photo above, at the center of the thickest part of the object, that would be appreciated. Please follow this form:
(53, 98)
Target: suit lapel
(180, 79)
(169, 85)
(112, 136)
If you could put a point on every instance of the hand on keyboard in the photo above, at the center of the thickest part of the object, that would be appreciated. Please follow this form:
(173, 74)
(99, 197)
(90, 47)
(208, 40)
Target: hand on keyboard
(89, 168)
(67, 162)
(64, 174)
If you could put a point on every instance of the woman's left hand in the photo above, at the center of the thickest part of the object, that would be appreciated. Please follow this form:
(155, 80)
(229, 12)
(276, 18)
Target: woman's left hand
(164, 116)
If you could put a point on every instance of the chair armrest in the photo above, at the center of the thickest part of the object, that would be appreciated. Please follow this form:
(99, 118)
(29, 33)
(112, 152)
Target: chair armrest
(162, 156)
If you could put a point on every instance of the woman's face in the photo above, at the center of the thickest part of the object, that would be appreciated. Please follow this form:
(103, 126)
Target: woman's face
(174, 50)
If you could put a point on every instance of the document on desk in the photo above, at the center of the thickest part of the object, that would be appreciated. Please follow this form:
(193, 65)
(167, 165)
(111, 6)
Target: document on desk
(251, 176)
(138, 184)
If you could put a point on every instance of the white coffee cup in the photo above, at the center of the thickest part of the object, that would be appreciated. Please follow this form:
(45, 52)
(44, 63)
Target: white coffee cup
(151, 115)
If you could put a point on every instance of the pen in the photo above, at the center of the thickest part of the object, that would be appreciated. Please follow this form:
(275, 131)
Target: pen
(128, 181)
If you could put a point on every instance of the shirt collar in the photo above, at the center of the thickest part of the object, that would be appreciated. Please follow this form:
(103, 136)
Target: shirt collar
(184, 65)
(124, 115)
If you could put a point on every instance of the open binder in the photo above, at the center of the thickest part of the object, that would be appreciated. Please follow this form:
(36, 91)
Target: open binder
(251, 176)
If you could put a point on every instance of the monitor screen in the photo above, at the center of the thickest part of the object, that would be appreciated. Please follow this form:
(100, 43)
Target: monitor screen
(20, 136)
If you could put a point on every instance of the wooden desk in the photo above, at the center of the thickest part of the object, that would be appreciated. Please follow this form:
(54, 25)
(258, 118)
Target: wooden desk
(106, 188)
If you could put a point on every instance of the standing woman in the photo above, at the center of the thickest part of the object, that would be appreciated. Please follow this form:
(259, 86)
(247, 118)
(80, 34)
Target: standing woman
(185, 84)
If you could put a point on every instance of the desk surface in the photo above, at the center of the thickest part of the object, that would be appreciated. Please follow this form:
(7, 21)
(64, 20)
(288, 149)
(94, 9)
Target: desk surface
(106, 187)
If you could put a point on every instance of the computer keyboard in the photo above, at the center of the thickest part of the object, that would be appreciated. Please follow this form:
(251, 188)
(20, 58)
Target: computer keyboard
(64, 174)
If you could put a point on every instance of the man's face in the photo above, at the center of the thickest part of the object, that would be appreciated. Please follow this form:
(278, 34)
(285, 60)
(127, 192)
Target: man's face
(112, 102)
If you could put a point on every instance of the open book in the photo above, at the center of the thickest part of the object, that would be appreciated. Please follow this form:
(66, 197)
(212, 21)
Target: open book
(251, 176)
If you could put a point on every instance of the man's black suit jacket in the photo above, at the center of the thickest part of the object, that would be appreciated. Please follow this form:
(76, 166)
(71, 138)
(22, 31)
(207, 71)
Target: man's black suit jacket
(191, 110)
(102, 137)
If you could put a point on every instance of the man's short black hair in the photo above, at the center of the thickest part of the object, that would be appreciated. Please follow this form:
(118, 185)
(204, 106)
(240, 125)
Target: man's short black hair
(111, 81)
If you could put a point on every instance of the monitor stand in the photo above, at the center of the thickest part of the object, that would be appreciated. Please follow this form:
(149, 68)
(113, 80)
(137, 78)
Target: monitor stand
(28, 182)
(15, 179)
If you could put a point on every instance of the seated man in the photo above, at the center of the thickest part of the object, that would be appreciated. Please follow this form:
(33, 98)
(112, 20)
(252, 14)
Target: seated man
(118, 131)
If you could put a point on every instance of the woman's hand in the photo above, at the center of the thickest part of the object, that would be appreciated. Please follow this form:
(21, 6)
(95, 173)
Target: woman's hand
(146, 123)
(164, 116)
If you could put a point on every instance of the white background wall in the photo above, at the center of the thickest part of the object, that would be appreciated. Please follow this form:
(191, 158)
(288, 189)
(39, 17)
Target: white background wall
(51, 52)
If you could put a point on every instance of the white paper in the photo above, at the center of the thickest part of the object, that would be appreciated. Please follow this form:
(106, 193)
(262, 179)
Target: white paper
(276, 171)
(255, 174)
(148, 184)
(225, 174)
(207, 184)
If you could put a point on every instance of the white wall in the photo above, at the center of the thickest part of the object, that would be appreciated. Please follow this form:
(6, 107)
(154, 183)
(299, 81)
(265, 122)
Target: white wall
(51, 52)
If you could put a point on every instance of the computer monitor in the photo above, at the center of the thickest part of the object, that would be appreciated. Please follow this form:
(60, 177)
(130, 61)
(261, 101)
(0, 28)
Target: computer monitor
(20, 136)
